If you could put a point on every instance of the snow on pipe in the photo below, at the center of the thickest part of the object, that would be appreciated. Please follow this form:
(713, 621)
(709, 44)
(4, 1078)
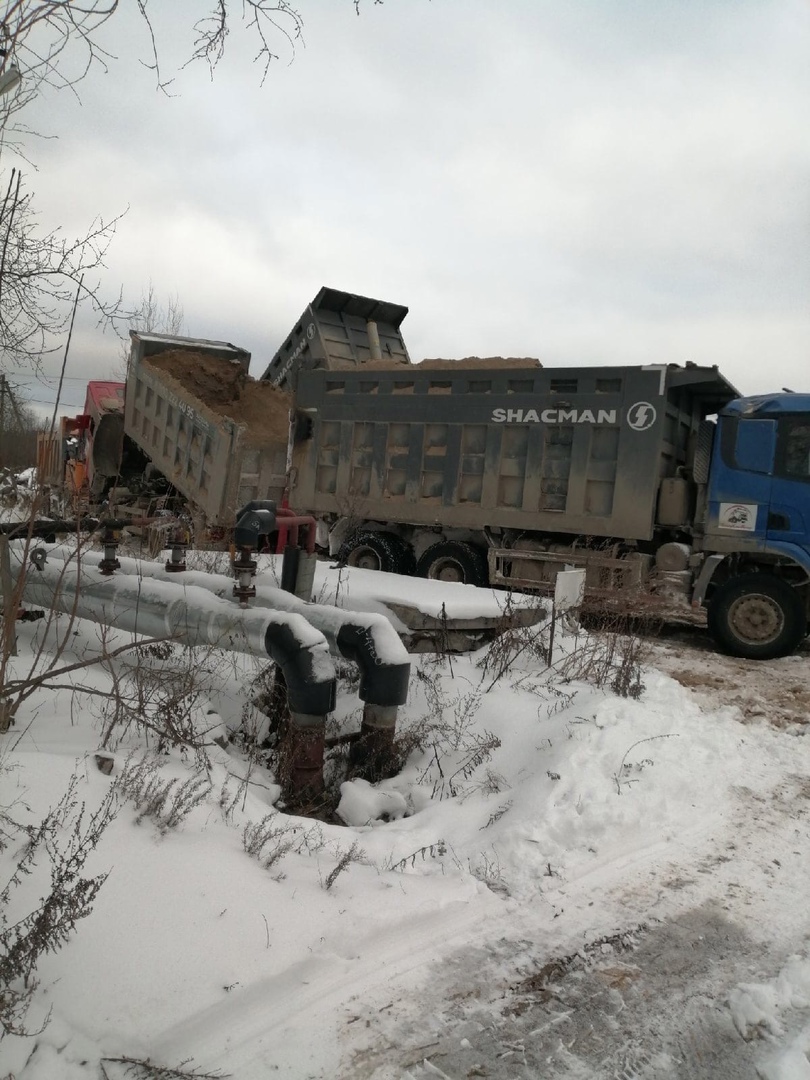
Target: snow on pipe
(367, 639)
(187, 613)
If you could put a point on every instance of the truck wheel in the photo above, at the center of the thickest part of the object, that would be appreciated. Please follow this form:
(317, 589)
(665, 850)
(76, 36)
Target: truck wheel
(372, 551)
(451, 560)
(757, 616)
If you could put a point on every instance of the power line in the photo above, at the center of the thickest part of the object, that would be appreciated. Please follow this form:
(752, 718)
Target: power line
(55, 378)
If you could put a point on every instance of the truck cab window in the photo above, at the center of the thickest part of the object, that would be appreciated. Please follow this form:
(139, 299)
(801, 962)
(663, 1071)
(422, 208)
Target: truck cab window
(796, 452)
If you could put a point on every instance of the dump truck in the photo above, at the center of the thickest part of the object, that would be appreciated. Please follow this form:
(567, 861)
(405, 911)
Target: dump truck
(657, 478)
(66, 457)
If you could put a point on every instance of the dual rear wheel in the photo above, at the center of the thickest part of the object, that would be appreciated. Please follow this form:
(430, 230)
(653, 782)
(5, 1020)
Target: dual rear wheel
(378, 551)
(449, 560)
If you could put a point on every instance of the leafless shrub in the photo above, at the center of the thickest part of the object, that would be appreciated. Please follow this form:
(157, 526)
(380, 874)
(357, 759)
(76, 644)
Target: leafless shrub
(267, 841)
(560, 699)
(160, 691)
(265, 715)
(270, 839)
(488, 870)
(436, 850)
(411, 738)
(46, 665)
(477, 751)
(523, 636)
(608, 659)
(210, 562)
(496, 815)
(65, 837)
(621, 777)
(345, 859)
(441, 653)
(144, 1069)
(447, 733)
(167, 801)
(491, 783)
(268, 695)
(326, 594)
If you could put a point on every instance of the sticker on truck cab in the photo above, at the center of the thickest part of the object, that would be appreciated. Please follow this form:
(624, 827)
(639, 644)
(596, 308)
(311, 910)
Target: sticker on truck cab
(741, 517)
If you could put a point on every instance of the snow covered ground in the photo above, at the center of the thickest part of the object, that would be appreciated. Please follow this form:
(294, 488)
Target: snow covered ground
(562, 882)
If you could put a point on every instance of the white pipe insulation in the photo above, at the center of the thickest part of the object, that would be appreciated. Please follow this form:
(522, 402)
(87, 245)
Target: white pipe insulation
(187, 613)
(386, 664)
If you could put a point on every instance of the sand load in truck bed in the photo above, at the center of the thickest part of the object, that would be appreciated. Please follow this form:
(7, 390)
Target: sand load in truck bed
(441, 364)
(225, 388)
(219, 436)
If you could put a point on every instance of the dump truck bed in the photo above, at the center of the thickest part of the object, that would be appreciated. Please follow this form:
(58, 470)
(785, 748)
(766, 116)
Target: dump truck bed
(339, 330)
(217, 435)
(505, 444)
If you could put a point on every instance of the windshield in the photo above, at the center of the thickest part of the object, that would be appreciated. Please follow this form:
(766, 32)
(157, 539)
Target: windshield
(794, 459)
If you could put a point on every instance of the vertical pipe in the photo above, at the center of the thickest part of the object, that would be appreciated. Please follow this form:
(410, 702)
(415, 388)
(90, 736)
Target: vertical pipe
(372, 755)
(374, 349)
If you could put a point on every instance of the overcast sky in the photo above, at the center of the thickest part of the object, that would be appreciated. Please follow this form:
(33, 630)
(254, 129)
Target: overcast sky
(585, 181)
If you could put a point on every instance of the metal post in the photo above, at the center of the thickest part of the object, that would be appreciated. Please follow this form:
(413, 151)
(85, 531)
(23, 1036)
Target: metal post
(9, 607)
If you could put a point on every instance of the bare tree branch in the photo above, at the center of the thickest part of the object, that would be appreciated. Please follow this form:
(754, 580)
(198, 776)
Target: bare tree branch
(41, 272)
(266, 19)
(56, 43)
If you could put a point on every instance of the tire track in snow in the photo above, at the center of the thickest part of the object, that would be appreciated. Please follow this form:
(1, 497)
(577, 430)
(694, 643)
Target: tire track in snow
(288, 1022)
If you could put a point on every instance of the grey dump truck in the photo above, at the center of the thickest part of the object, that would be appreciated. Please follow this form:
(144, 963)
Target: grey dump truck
(503, 472)
(656, 478)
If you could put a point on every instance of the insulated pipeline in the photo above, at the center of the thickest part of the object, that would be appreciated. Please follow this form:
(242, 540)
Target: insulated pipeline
(182, 611)
(367, 639)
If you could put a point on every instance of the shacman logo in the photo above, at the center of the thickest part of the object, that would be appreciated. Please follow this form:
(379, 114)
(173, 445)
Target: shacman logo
(641, 416)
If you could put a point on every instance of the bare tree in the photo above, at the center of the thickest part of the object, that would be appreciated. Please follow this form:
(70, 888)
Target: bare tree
(154, 315)
(41, 272)
(48, 45)
(151, 315)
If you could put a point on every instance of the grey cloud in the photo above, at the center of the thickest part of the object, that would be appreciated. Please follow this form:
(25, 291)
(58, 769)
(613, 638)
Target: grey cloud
(585, 182)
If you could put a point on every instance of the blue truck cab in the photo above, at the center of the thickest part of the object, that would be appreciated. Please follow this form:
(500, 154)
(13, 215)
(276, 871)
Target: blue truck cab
(756, 574)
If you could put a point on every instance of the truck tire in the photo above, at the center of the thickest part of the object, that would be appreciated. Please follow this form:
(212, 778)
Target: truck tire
(757, 616)
(374, 551)
(452, 560)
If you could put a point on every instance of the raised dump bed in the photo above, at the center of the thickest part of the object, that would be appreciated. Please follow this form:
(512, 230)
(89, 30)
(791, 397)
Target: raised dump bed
(219, 436)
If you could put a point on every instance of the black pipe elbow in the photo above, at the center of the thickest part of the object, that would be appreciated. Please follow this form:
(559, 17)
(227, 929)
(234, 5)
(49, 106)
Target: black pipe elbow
(308, 691)
(381, 682)
(253, 523)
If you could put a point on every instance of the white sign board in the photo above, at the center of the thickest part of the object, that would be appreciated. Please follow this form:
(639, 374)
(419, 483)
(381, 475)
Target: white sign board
(569, 590)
